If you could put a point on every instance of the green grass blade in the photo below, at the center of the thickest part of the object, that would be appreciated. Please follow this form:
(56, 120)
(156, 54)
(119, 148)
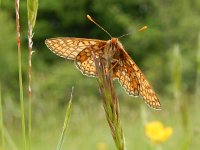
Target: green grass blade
(9, 140)
(198, 71)
(176, 72)
(66, 122)
(1, 121)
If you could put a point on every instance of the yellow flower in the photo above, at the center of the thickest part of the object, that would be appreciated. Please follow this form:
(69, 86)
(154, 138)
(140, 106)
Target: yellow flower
(102, 146)
(156, 132)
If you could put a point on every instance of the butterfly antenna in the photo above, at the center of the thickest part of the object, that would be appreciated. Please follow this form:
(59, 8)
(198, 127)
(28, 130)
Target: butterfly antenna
(141, 29)
(88, 16)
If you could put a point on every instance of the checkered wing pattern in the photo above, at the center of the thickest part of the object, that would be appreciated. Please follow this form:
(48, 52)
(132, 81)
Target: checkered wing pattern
(69, 47)
(127, 77)
(133, 80)
(84, 60)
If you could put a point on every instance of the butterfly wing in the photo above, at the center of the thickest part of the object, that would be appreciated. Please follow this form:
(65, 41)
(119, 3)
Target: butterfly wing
(69, 48)
(133, 80)
(127, 77)
(84, 60)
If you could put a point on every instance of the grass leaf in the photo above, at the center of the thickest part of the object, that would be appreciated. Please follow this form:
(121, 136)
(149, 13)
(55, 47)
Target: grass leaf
(32, 7)
(66, 122)
(1, 121)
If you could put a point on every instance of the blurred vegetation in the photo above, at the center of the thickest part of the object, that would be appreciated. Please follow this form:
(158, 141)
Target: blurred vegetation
(170, 23)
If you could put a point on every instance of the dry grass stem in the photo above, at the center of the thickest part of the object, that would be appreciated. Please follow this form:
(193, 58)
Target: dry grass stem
(110, 101)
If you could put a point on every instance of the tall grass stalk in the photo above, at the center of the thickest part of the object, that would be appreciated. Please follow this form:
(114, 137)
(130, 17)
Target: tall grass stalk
(66, 122)
(197, 93)
(177, 89)
(20, 75)
(1, 121)
(176, 72)
(110, 101)
(32, 7)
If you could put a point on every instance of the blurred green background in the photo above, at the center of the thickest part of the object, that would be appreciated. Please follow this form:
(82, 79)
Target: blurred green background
(168, 53)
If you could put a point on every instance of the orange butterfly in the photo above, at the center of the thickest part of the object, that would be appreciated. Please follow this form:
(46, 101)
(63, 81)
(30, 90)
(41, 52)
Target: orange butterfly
(123, 67)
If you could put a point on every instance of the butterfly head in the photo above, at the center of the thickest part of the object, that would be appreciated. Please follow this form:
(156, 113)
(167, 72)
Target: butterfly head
(114, 41)
(115, 44)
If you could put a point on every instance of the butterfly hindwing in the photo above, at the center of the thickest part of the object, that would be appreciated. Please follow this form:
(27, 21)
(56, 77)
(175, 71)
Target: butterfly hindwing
(84, 60)
(127, 77)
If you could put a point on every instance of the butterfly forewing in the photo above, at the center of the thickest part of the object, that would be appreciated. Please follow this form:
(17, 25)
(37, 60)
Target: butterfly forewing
(69, 47)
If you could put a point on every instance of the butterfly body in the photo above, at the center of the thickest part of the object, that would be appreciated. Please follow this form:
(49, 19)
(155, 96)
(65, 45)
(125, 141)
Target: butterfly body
(117, 60)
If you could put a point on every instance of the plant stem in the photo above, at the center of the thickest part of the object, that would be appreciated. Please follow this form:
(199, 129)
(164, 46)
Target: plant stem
(110, 101)
(30, 44)
(32, 7)
(20, 75)
(197, 93)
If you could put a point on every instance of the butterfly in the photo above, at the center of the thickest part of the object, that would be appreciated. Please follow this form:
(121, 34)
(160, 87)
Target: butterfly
(123, 67)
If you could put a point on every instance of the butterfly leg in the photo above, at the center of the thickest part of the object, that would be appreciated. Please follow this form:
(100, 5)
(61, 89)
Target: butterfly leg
(117, 61)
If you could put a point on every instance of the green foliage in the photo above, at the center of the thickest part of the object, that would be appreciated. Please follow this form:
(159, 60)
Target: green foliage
(8, 52)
